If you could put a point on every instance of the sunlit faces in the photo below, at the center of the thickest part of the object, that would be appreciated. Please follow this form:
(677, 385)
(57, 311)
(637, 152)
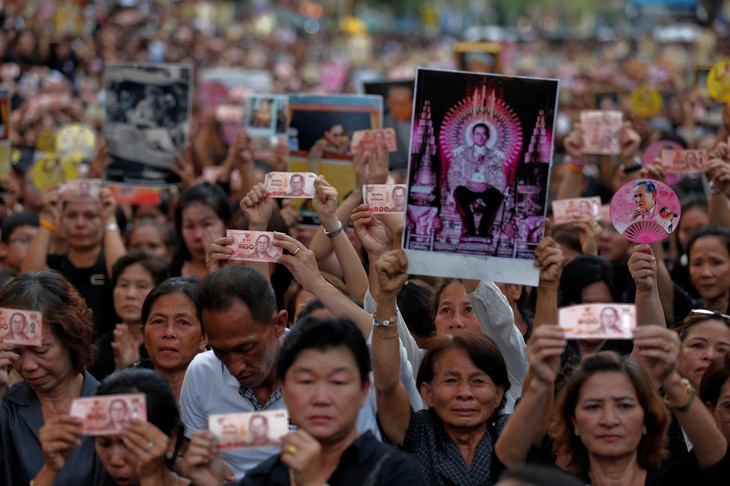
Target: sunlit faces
(81, 222)
(709, 267)
(133, 285)
(198, 221)
(704, 342)
(608, 416)
(246, 347)
(172, 333)
(462, 395)
(454, 310)
(323, 393)
(47, 367)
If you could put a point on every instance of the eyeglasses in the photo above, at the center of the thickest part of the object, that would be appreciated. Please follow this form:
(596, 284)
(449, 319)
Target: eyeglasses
(710, 314)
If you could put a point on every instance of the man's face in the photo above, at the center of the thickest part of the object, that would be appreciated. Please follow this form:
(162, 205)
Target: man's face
(323, 393)
(399, 197)
(297, 183)
(81, 221)
(643, 198)
(479, 135)
(246, 347)
(400, 103)
(262, 244)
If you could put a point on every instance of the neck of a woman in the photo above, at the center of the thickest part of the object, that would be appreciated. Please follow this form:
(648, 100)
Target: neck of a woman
(467, 439)
(194, 268)
(718, 304)
(174, 377)
(58, 400)
(623, 471)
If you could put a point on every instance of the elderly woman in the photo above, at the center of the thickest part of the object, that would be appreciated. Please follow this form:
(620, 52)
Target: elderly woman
(53, 374)
(142, 454)
(463, 381)
(610, 421)
(171, 330)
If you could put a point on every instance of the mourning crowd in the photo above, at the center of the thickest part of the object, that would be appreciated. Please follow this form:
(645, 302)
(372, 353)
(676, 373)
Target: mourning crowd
(387, 377)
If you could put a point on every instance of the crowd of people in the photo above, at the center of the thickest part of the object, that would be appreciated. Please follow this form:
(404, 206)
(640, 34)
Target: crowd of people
(387, 377)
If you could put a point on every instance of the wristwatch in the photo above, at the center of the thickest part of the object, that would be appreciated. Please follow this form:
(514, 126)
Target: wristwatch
(114, 227)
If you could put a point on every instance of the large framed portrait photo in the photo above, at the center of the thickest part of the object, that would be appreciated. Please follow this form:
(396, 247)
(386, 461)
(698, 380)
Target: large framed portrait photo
(480, 157)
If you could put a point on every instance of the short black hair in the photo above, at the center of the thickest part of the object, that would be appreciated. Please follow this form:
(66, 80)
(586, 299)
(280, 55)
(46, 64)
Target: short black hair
(532, 475)
(583, 271)
(719, 232)
(175, 285)
(162, 411)
(483, 125)
(219, 290)
(322, 335)
(13, 222)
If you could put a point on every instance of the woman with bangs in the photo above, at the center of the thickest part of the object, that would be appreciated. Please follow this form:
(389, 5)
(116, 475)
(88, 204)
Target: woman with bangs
(610, 422)
(53, 375)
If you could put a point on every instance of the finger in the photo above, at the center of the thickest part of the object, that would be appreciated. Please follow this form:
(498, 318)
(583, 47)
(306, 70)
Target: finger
(548, 229)
(398, 237)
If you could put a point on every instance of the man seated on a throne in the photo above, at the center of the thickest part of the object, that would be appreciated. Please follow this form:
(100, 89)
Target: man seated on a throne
(476, 173)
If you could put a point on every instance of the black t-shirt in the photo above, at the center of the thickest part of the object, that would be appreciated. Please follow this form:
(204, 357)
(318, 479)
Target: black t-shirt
(94, 286)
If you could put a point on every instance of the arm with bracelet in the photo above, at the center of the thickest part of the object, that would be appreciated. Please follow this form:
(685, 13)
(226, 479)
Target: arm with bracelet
(112, 242)
(35, 258)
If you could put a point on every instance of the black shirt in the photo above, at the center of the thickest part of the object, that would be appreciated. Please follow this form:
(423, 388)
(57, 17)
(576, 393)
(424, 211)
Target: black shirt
(366, 462)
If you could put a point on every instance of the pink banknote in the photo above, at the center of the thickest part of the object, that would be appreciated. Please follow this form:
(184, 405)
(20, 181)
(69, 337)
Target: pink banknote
(371, 139)
(567, 210)
(80, 188)
(249, 430)
(22, 327)
(598, 321)
(684, 161)
(290, 184)
(385, 198)
(253, 246)
(109, 414)
(600, 131)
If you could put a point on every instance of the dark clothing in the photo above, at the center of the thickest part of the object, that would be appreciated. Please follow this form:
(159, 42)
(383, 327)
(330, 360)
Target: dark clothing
(464, 198)
(687, 473)
(93, 284)
(440, 458)
(20, 449)
(104, 364)
(366, 462)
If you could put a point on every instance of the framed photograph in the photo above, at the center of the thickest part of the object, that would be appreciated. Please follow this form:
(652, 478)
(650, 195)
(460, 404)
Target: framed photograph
(397, 110)
(148, 108)
(481, 151)
(478, 57)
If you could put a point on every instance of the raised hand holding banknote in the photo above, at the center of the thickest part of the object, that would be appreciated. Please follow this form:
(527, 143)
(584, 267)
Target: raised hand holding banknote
(371, 232)
(202, 463)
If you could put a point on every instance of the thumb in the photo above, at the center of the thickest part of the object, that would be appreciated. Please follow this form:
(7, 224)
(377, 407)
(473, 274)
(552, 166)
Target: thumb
(398, 238)
(548, 229)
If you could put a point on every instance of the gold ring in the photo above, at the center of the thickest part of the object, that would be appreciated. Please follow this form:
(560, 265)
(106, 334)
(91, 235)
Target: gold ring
(297, 251)
(291, 449)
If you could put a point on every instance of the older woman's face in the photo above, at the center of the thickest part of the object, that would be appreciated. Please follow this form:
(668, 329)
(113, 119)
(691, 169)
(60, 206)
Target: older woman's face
(704, 343)
(455, 310)
(709, 267)
(45, 368)
(608, 416)
(172, 334)
(461, 394)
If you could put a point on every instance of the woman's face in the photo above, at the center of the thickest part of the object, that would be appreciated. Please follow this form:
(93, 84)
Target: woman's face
(462, 395)
(118, 461)
(704, 342)
(608, 417)
(709, 267)
(303, 298)
(172, 334)
(454, 310)
(17, 323)
(45, 368)
(133, 285)
(148, 240)
(199, 225)
(691, 220)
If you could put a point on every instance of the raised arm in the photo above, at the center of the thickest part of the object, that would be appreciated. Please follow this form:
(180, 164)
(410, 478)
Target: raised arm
(718, 171)
(325, 205)
(572, 183)
(301, 263)
(394, 409)
(643, 268)
(112, 241)
(546, 345)
(497, 321)
(659, 349)
(35, 259)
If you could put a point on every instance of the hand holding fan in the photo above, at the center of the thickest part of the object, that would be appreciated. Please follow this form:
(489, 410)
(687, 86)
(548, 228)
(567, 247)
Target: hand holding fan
(645, 211)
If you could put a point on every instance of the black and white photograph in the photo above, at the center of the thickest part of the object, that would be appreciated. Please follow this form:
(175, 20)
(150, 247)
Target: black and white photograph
(481, 152)
(148, 108)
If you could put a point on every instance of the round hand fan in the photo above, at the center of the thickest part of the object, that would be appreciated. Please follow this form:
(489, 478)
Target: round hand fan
(645, 211)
